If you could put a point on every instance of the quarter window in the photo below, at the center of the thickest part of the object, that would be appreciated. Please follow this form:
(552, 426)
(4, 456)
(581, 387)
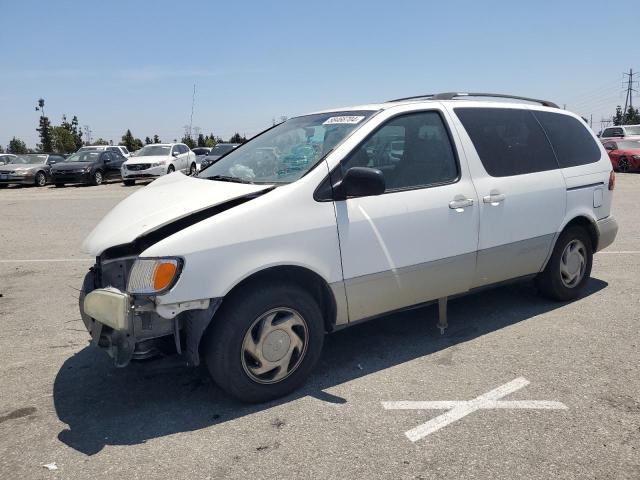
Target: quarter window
(570, 139)
(411, 150)
(509, 141)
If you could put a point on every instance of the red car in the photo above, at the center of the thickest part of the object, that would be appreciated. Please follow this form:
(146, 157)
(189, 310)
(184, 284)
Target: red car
(624, 155)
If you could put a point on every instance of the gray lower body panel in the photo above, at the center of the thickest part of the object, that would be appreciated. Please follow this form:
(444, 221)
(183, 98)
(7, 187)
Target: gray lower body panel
(607, 231)
(512, 260)
(373, 294)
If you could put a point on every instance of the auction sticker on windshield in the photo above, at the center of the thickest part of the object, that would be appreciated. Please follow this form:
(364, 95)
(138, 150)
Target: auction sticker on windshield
(350, 119)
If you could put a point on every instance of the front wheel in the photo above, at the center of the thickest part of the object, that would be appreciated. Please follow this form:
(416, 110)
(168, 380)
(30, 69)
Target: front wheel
(96, 178)
(192, 169)
(171, 169)
(41, 179)
(569, 267)
(264, 341)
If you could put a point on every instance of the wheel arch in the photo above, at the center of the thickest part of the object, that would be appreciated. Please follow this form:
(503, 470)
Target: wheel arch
(584, 221)
(297, 275)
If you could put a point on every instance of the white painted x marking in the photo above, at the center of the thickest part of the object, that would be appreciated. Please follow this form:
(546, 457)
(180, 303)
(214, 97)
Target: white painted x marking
(458, 409)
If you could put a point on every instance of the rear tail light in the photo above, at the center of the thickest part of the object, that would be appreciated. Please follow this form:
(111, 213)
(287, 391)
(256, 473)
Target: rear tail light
(612, 180)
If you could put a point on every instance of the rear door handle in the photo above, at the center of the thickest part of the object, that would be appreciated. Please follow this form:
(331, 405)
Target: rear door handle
(494, 198)
(460, 203)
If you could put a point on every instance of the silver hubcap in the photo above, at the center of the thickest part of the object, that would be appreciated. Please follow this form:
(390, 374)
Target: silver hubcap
(41, 179)
(274, 345)
(573, 263)
(98, 177)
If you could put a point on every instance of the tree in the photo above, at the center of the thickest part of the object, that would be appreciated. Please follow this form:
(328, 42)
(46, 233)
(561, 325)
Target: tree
(100, 141)
(188, 141)
(210, 141)
(63, 140)
(156, 139)
(201, 141)
(44, 130)
(147, 141)
(130, 142)
(630, 117)
(76, 131)
(237, 138)
(17, 146)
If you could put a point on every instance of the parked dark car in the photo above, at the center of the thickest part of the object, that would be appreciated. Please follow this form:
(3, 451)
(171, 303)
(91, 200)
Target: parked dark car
(90, 167)
(216, 152)
(28, 169)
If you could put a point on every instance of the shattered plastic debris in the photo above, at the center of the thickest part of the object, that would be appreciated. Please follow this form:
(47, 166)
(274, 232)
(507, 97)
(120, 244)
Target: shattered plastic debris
(50, 466)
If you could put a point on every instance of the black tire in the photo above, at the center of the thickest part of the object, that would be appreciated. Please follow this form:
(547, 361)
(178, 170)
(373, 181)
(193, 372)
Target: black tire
(171, 169)
(4, 185)
(623, 165)
(224, 350)
(60, 185)
(192, 169)
(129, 183)
(41, 179)
(97, 178)
(550, 281)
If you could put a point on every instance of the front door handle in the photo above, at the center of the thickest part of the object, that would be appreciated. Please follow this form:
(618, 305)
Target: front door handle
(494, 199)
(460, 202)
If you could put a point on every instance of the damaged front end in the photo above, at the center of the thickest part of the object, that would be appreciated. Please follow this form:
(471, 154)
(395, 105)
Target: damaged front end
(132, 327)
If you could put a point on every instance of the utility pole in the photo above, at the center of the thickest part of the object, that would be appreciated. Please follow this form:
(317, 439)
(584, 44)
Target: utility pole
(591, 121)
(628, 99)
(87, 134)
(193, 103)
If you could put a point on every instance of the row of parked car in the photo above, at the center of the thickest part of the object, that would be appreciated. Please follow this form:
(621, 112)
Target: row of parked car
(623, 145)
(93, 164)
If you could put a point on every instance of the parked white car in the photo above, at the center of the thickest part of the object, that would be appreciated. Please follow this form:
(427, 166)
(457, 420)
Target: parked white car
(109, 148)
(158, 159)
(622, 132)
(251, 262)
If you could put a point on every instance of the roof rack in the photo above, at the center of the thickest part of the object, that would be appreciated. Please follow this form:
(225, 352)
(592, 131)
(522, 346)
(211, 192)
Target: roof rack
(452, 95)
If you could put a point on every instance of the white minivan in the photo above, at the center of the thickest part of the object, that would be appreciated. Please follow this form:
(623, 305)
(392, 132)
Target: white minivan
(340, 216)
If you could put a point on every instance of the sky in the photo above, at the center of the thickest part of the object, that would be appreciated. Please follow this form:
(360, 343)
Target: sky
(121, 65)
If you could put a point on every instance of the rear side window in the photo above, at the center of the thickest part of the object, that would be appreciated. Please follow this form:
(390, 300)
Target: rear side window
(569, 138)
(613, 132)
(509, 141)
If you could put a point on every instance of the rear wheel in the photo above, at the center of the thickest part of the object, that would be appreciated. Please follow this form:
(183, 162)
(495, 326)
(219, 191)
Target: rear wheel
(41, 179)
(569, 267)
(623, 164)
(3, 185)
(129, 183)
(264, 342)
(96, 178)
(192, 169)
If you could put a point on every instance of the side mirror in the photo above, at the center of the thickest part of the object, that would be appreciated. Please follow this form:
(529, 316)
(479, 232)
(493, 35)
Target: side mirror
(52, 162)
(175, 154)
(360, 182)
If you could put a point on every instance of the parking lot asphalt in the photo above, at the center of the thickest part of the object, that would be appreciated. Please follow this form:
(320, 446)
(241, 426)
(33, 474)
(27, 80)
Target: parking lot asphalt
(62, 401)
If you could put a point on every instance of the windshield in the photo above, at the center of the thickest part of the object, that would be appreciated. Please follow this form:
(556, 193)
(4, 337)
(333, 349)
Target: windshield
(220, 150)
(86, 149)
(29, 159)
(632, 130)
(286, 152)
(628, 145)
(86, 156)
(153, 150)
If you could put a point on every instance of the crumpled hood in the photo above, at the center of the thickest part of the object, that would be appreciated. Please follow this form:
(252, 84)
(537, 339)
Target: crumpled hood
(165, 200)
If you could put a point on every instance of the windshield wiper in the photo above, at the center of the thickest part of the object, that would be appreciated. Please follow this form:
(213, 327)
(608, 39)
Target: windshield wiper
(224, 178)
